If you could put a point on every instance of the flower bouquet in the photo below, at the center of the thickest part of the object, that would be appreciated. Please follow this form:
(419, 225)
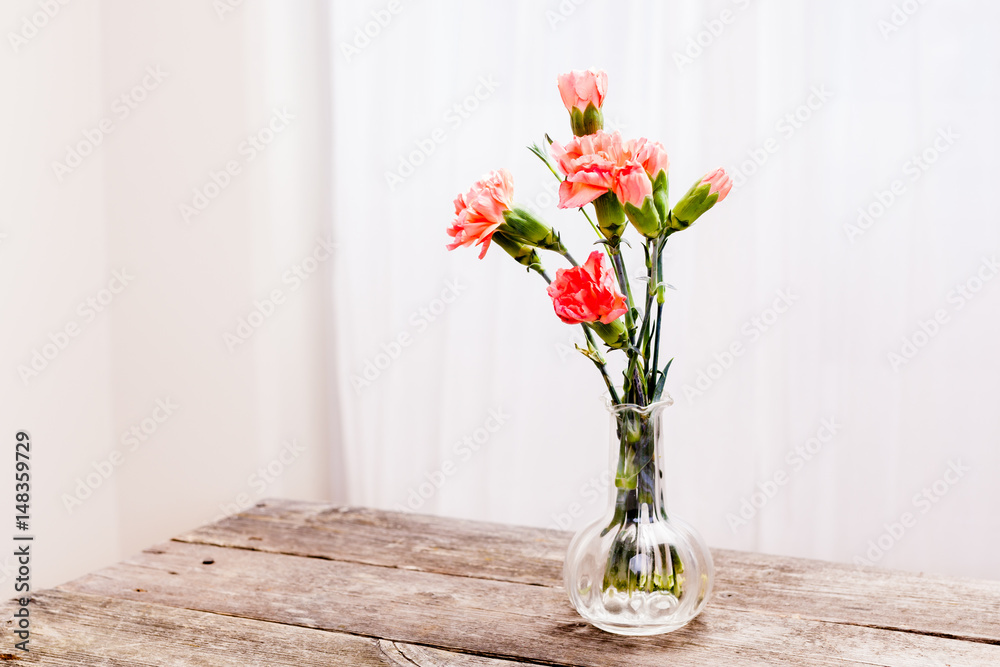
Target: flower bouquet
(635, 570)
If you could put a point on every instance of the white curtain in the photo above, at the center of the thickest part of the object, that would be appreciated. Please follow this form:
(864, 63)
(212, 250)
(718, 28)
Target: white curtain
(850, 268)
(151, 419)
(388, 372)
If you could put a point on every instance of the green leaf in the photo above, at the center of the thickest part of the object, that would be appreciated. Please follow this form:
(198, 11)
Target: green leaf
(591, 354)
(541, 155)
(662, 381)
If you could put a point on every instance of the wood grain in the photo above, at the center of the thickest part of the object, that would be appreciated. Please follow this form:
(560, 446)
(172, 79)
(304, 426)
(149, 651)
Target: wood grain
(291, 583)
(492, 618)
(392, 539)
(818, 590)
(73, 629)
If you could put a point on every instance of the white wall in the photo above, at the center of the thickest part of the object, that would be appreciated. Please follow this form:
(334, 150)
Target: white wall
(162, 337)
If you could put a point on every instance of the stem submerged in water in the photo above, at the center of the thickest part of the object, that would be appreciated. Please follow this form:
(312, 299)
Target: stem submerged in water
(632, 566)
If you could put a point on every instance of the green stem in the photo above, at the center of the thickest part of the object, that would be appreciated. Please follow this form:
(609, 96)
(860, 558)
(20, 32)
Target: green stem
(636, 390)
(636, 482)
(659, 309)
(616, 260)
(593, 225)
(656, 345)
(641, 391)
(590, 339)
(600, 366)
(644, 332)
(552, 169)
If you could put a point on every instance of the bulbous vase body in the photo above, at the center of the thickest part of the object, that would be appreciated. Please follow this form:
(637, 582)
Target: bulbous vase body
(638, 570)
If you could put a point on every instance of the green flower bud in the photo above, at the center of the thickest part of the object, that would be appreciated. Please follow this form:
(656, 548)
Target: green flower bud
(660, 201)
(521, 253)
(703, 195)
(521, 225)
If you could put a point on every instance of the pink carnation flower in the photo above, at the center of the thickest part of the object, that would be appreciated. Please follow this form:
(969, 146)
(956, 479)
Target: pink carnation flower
(587, 293)
(651, 155)
(479, 212)
(599, 162)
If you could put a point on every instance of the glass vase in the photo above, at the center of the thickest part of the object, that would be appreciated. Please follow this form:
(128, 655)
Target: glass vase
(638, 570)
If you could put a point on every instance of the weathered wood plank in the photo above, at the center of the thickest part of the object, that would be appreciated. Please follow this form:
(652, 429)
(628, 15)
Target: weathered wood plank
(74, 629)
(818, 590)
(393, 539)
(493, 618)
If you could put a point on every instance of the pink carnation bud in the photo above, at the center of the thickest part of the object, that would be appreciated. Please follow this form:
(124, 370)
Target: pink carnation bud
(582, 87)
(719, 182)
(587, 293)
(480, 211)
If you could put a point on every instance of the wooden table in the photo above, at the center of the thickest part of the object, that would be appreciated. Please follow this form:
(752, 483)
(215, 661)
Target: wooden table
(294, 583)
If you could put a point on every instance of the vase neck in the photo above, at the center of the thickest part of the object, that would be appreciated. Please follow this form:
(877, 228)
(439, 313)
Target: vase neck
(635, 443)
